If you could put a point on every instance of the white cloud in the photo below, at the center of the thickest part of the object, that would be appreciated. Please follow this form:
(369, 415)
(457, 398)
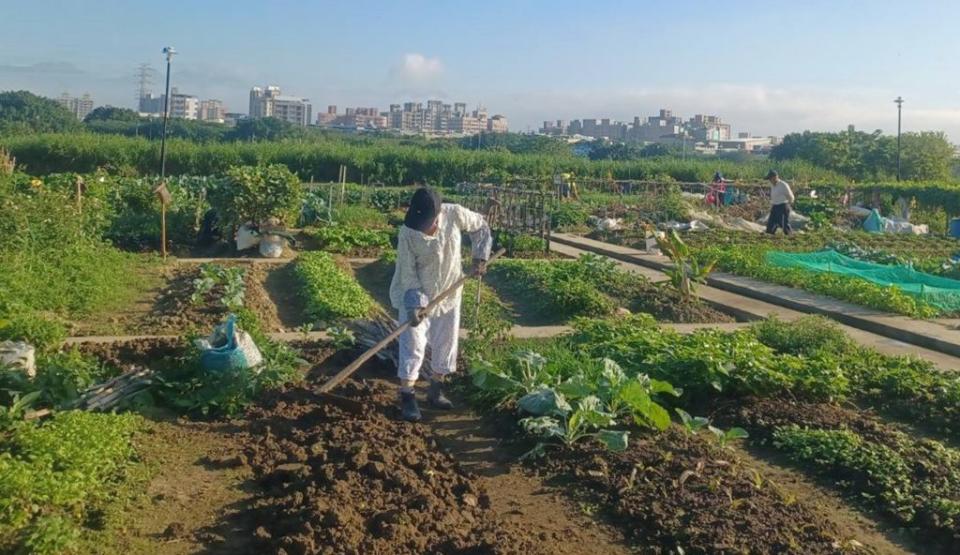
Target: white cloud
(417, 67)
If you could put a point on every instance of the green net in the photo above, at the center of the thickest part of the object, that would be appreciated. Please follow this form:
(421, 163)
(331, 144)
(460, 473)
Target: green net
(940, 292)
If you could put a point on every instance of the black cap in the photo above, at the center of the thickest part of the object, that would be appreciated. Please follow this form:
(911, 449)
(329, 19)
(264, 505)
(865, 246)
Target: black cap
(772, 174)
(718, 176)
(424, 208)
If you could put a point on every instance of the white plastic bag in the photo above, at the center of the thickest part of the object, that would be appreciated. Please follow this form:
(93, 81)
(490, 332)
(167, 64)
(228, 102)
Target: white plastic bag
(271, 246)
(247, 238)
(20, 355)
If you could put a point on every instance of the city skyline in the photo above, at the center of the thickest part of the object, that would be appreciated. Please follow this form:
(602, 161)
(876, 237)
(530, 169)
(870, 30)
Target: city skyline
(770, 68)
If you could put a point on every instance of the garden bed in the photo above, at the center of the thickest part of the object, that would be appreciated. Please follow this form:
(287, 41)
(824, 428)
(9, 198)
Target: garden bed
(549, 292)
(674, 491)
(176, 307)
(912, 482)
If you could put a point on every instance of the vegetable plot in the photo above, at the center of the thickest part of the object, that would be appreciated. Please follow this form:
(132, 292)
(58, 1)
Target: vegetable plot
(328, 291)
(594, 286)
(572, 402)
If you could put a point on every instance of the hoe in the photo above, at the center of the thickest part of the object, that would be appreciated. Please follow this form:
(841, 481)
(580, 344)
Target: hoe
(377, 330)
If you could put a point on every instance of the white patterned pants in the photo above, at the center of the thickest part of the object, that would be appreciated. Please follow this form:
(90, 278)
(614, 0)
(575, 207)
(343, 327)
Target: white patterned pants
(442, 333)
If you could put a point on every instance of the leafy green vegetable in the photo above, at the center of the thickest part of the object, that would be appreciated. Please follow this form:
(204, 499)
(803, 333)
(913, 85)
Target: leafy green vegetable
(352, 239)
(328, 291)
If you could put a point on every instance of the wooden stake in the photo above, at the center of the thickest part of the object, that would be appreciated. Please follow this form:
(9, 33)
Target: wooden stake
(163, 229)
(163, 195)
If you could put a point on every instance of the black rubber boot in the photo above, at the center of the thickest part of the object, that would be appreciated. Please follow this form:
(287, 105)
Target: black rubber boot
(409, 410)
(436, 398)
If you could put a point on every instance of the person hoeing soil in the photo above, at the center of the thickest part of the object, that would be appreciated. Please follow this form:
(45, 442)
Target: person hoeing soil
(428, 263)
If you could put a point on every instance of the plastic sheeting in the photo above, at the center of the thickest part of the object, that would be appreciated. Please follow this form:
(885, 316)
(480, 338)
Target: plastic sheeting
(940, 292)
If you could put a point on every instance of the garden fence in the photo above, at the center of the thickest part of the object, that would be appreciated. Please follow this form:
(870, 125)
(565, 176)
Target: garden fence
(510, 209)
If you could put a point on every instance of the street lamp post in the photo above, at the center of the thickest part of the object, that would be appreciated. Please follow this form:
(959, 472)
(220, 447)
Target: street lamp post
(899, 103)
(169, 52)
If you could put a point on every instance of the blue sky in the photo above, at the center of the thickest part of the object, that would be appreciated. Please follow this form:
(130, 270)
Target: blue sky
(767, 67)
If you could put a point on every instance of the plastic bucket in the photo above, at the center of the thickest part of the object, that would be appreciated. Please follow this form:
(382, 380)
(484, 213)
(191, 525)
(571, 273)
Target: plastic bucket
(955, 228)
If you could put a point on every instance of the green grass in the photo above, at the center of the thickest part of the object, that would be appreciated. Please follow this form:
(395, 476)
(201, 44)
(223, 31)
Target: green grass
(55, 475)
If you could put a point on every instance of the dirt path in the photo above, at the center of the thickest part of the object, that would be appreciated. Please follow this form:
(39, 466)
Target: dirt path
(280, 286)
(196, 499)
(375, 277)
(515, 494)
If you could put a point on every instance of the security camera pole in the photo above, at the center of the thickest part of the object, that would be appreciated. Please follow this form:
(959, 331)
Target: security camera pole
(169, 52)
(163, 194)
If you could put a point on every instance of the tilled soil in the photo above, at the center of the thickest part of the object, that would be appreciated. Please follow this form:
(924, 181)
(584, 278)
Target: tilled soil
(339, 482)
(666, 306)
(259, 300)
(673, 491)
(174, 311)
(170, 310)
(145, 352)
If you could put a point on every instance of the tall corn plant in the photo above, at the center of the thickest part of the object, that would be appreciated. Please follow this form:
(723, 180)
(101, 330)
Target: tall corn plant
(687, 271)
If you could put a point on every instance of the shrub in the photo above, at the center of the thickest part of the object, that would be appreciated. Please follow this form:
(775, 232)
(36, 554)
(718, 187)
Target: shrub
(256, 194)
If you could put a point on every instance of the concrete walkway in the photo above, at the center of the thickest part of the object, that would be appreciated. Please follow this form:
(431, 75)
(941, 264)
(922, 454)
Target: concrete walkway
(752, 300)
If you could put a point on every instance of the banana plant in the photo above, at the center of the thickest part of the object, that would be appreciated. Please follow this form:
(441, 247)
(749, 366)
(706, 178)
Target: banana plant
(687, 271)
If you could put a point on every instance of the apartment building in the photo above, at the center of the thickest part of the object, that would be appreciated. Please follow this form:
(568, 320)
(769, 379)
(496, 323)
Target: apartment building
(270, 102)
(212, 110)
(78, 106)
(663, 127)
(184, 106)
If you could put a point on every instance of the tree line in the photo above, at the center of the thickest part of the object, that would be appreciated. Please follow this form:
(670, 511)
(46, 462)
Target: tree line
(925, 156)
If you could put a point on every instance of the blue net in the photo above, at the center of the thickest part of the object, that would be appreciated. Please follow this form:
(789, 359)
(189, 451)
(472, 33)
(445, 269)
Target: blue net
(943, 293)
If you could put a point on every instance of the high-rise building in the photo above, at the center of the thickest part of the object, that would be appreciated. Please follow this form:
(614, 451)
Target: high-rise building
(184, 106)
(497, 124)
(709, 128)
(434, 117)
(212, 110)
(79, 107)
(151, 104)
(269, 102)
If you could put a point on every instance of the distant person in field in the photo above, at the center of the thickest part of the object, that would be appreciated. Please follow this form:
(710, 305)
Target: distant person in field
(717, 189)
(781, 197)
(428, 263)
